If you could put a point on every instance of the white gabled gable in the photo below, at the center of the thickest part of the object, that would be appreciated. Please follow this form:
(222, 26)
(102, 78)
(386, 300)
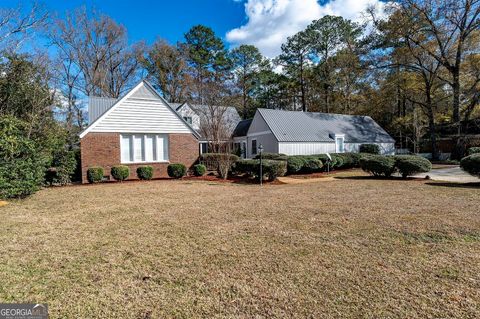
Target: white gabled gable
(141, 110)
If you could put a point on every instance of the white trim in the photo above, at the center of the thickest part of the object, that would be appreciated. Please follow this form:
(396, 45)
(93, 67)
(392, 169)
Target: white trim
(337, 146)
(144, 154)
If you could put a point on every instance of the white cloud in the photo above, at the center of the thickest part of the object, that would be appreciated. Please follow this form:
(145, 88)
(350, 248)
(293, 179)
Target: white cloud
(270, 22)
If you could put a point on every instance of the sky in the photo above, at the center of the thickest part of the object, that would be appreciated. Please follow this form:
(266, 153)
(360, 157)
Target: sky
(264, 23)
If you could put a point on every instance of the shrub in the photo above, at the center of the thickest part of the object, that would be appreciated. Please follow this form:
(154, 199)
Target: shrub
(199, 170)
(94, 174)
(369, 148)
(176, 170)
(409, 165)
(326, 161)
(311, 164)
(272, 156)
(471, 164)
(473, 150)
(294, 164)
(212, 157)
(63, 167)
(378, 165)
(271, 169)
(22, 167)
(120, 172)
(145, 172)
(337, 160)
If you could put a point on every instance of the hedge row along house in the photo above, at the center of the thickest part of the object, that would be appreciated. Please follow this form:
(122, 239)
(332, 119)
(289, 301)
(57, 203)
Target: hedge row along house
(142, 128)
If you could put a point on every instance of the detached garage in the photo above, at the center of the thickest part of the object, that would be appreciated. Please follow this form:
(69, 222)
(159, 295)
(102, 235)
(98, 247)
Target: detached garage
(306, 133)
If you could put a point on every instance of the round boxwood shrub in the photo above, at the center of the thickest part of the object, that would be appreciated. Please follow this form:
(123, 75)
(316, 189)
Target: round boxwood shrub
(176, 170)
(338, 160)
(120, 172)
(473, 150)
(199, 170)
(95, 174)
(409, 165)
(145, 172)
(471, 164)
(311, 165)
(378, 165)
(294, 164)
(369, 149)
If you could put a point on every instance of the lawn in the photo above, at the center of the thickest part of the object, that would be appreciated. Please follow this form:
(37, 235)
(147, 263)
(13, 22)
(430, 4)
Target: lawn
(348, 248)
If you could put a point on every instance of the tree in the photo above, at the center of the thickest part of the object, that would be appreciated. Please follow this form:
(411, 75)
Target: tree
(166, 65)
(96, 48)
(328, 36)
(295, 59)
(207, 57)
(449, 24)
(16, 26)
(247, 65)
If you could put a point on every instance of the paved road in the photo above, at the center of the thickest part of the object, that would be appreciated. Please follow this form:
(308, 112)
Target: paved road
(451, 174)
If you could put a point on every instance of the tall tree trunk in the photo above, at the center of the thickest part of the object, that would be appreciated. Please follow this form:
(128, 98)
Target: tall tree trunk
(456, 96)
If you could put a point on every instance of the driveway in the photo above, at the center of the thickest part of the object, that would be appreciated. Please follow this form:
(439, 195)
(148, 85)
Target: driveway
(451, 174)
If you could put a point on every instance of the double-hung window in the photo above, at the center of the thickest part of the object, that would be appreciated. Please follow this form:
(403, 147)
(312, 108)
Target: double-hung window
(144, 148)
(254, 147)
(339, 143)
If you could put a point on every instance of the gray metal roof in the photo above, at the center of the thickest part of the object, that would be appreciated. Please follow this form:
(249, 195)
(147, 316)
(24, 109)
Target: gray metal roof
(97, 106)
(294, 126)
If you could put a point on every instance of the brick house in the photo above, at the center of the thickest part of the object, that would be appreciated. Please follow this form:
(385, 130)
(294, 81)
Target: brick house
(140, 128)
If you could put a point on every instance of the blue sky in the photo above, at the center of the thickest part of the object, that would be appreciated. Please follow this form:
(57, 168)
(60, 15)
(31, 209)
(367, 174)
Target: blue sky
(264, 23)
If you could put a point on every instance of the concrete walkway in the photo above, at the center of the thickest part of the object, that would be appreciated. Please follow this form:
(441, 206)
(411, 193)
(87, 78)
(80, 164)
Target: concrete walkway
(451, 174)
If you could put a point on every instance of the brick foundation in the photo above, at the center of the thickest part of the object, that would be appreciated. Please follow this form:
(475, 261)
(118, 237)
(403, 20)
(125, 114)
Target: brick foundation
(103, 149)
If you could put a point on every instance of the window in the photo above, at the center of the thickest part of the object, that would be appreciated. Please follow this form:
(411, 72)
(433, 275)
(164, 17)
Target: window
(254, 147)
(143, 148)
(339, 144)
(188, 119)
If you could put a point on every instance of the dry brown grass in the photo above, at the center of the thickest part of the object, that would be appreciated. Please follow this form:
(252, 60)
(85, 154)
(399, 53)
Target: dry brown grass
(349, 248)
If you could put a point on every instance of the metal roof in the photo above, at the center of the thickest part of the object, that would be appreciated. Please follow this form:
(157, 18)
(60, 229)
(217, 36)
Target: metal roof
(294, 126)
(242, 128)
(97, 106)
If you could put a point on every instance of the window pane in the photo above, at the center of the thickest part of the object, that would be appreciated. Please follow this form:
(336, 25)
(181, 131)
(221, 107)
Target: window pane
(162, 142)
(254, 146)
(126, 148)
(150, 153)
(138, 148)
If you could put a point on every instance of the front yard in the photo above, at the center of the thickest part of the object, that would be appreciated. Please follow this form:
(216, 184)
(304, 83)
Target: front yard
(347, 248)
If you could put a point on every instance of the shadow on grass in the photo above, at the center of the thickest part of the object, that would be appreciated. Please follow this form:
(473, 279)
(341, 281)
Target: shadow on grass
(453, 184)
(380, 178)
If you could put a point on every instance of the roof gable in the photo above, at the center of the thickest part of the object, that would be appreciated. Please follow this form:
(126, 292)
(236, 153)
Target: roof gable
(141, 110)
(295, 126)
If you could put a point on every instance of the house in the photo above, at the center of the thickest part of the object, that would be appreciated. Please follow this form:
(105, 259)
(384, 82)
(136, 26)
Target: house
(203, 118)
(140, 128)
(305, 133)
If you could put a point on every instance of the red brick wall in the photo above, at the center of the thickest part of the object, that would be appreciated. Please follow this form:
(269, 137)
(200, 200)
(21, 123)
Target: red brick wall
(103, 149)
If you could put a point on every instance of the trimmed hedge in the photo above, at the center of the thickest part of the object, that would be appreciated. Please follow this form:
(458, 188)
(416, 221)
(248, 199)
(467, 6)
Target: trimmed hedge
(176, 170)
(212, 157)
(95, 174)
(471, 164)
(272, 156)
(145, 172)
(369, 149)
(271, 169)
(295, 164)
(409, 165)
(199, 170)
(378, 165)
(312, 165)
(120, 172)
(473, 150)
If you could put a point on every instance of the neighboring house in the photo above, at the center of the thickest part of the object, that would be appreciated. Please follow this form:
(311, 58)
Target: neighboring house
(203, 119)
(140, 128)
(305, 133)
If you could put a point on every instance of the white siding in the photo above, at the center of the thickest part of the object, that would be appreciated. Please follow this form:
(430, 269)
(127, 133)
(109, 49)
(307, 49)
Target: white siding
(142, 112)
(305, 148)
(186, 111)
(385, 148)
